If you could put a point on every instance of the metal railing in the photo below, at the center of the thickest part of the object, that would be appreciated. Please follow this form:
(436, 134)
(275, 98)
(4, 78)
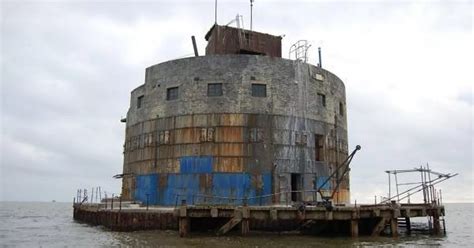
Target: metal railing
(245, 200)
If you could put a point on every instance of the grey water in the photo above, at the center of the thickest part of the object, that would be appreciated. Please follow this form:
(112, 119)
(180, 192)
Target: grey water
(33, 224)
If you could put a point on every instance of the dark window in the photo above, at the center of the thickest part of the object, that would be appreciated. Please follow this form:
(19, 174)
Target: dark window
(140, 101)
(322, 99)
(318, 147)
(259, 90)
(172, 93)
(341, 109)
(214, 89)
(247, 38)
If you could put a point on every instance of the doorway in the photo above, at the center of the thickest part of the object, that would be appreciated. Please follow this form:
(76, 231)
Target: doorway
(295, 186)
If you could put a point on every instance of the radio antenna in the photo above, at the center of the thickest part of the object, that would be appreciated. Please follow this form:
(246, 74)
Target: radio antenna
(251, 14)
(215, 12)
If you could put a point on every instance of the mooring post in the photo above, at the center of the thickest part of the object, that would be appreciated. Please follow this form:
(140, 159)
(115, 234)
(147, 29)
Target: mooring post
(183, 220)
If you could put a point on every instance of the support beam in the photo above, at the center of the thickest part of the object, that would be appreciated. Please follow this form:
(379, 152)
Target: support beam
(355, 228)
(379, 227)
(229, 225)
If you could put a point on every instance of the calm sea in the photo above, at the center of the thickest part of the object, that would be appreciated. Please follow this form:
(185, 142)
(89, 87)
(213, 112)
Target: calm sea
(51, 225)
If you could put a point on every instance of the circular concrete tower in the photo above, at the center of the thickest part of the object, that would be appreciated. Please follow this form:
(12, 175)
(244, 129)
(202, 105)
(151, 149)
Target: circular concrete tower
(238, 125)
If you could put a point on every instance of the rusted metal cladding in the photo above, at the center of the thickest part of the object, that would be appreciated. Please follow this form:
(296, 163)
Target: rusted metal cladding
(235, 146)
(230, 40)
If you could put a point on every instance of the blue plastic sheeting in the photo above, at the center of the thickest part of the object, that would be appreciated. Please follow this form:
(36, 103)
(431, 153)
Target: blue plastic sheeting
(196, 164)
(227, 188)
(321, 180)
(146, 184)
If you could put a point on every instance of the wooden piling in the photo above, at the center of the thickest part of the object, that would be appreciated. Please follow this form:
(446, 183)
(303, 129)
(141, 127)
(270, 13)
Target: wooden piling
(245, 227)
(354, 228)
(394, 227)
(408, 225)
(436, 224)
(183, 226)
(184, 220)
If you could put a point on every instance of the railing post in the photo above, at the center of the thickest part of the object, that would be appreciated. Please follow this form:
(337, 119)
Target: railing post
(147, 201)
(120, 203)
(112, 204)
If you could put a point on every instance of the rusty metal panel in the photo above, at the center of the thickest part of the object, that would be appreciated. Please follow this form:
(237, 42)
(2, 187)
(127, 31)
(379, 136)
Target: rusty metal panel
(229, 134)
(342, 196)
(167, 166)
(229, 164)
(186, 136)
(127, 186)
(230, 40)
(143, 167)
(148, 153)
(184, 150)
(231, 149)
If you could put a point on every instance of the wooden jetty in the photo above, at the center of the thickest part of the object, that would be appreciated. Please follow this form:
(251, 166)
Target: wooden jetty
(349, 220)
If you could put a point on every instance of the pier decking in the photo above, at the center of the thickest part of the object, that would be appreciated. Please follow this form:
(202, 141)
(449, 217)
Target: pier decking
(351, 220)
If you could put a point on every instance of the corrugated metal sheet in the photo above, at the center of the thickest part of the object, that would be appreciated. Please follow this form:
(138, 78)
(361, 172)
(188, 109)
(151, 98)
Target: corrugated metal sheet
(146, 185)
(229, 164)
(320, 181)
(196, 164)
(230, 151)
(169, 189)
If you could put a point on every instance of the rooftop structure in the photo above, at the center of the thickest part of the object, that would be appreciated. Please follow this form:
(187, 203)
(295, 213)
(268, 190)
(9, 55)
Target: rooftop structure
(230, 40)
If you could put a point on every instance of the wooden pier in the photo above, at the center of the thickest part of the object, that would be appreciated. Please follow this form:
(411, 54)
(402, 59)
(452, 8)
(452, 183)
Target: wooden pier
(366, 220)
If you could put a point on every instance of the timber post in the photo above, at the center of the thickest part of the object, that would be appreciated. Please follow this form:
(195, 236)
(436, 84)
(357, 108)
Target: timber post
(183, 220)
(245, 224)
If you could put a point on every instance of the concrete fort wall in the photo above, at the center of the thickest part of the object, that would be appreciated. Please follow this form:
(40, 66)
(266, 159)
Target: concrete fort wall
(236, 126)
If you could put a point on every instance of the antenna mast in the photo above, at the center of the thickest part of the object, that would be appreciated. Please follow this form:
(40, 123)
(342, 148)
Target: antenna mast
(251, 9)
(215, 12)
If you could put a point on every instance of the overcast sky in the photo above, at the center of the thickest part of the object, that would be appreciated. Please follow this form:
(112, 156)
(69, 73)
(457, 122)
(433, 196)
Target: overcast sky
(67, 69)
